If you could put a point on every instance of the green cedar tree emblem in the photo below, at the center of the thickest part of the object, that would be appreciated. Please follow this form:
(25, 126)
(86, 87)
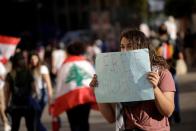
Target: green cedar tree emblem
(77, 74)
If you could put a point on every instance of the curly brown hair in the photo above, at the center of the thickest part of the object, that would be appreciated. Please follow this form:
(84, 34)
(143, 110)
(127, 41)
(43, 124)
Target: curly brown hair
(138, 40)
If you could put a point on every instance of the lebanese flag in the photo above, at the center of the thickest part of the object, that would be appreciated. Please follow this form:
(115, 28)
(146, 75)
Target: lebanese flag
(73, 85)
(7, 46)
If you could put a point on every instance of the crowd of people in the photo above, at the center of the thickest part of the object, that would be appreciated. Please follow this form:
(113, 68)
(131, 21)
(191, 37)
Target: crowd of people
(60, 77)
(29, 81)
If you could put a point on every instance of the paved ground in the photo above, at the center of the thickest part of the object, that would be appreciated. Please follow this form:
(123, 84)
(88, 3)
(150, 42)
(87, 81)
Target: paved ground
(187, 102)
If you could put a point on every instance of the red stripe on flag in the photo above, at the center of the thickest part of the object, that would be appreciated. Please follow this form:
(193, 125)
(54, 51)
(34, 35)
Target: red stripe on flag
(3, 60)
(72, 99)
(74, 58)
(9, 40)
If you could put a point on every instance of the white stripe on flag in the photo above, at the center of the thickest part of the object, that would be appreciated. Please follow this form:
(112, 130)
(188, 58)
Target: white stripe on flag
(63, 87)
(7, 50)
(8, 45)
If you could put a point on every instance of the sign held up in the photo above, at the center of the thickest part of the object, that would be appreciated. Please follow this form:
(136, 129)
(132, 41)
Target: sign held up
(122, 77)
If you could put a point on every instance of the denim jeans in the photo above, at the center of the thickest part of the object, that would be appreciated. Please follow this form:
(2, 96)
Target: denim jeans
(42, 103)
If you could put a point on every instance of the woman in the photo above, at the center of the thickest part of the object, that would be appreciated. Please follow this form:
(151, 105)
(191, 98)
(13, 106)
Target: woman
(2, 99)
(43, 85)
(73, 93)
(19, 92)
(149, 115)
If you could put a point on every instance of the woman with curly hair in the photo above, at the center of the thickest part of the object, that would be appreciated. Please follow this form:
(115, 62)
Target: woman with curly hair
(151, 115)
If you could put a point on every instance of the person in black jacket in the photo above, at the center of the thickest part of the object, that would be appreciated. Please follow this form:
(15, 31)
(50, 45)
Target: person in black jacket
(19, 90)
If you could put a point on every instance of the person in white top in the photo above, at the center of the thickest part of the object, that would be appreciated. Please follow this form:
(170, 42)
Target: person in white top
(43, 85)
(58, 57)
(2, 99)
(171, 27)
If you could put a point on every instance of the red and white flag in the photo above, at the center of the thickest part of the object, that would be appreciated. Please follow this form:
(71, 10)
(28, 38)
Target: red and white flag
(7, 46)
(73, 85)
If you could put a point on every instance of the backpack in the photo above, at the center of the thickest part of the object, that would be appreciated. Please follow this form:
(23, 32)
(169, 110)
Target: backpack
(21, 87)
(166, 50)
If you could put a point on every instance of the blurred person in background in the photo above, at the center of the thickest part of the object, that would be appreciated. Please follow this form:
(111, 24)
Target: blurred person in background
(43, 85)
(41, 52)
(171, 27)
(171, 52)
(145, 29)
(2, 99)
(111, 42)
(91, 51)
(57, 58)
(19, 94)
(188, 47)
(73, 93)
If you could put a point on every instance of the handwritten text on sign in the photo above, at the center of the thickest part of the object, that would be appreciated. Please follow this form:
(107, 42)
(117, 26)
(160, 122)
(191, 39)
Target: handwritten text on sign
(122, 76)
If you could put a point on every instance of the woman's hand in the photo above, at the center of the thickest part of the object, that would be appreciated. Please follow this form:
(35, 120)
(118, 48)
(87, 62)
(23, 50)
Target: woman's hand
(94, 82)
(107, 109)
(164, 100)
(154, 78)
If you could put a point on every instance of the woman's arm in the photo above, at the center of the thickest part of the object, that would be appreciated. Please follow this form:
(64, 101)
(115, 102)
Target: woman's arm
(7, 94)
(47, 80)
(34, 90)
(164, 100)
(108, 111)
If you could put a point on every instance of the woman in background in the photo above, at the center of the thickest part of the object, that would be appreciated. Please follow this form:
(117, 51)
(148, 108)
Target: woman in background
(43, 85)
(73, 93)
(19, 92)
